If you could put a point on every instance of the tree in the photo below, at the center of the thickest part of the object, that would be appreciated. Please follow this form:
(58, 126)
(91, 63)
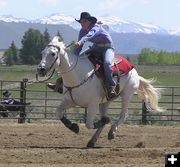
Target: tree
(148, 56)
(11, 55)
(7, 57)
(14, 52)
(32, 45)
(46, 37)
(60, 36)
(142, 59)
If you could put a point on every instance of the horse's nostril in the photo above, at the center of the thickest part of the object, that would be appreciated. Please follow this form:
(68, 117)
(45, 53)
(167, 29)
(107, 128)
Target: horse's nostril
(41, 70)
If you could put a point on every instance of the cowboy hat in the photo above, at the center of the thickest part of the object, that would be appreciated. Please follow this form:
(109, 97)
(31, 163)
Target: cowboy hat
(86, 15)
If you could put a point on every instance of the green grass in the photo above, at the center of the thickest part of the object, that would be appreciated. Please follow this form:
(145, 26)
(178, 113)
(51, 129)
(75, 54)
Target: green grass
(17, 72)
(165, 75)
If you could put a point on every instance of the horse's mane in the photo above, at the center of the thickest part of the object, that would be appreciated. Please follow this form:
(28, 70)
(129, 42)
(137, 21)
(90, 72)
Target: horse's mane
(56, 41)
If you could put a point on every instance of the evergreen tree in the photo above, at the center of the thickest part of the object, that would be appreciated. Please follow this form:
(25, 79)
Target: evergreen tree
(46, 37)
(8, 58)
(14, 52)
(60, 36)
(32, 45)
(11, 55)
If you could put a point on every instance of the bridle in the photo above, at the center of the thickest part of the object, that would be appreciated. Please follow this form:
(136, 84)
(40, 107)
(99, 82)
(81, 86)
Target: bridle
(72, 68)
(58, 48)
(69, 89)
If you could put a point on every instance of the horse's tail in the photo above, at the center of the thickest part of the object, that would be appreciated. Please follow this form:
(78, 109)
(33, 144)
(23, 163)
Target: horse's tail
(149, 93)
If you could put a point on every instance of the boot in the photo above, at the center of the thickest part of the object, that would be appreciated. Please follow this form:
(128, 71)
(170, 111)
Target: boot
(112, 92)
(51, 86)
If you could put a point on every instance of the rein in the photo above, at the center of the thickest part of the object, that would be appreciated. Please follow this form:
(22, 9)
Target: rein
(50, 76)
(64, 56)
(71, 44)
(70, 68)
(80, 84)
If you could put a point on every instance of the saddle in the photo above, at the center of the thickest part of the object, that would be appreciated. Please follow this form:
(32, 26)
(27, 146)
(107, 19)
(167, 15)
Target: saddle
(120, 67)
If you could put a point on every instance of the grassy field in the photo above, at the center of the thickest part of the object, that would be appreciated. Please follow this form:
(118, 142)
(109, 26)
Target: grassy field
(36, 94)
(165, 75)
(17, 72)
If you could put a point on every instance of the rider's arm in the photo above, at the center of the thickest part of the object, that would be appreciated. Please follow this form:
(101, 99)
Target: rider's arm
(81, 34)
(94, 31)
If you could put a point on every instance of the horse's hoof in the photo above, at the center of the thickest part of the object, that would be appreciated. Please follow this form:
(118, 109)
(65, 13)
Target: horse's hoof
(105, 120)
(111, 135)
(90, 144)
(75, 128)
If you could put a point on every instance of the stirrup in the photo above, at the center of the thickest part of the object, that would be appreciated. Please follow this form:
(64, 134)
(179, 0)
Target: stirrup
(111, 92)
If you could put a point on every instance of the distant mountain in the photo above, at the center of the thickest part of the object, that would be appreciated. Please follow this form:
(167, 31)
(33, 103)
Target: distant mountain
(128, 37)
(115, 24)
(175, 32)
(10, 31)
(132, 43)
(10, 18)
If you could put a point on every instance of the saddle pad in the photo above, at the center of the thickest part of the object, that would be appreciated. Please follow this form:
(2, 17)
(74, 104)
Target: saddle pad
(124, 66)
(116, 60)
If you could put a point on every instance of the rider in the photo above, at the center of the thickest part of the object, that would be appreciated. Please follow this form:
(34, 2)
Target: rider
(102, 44)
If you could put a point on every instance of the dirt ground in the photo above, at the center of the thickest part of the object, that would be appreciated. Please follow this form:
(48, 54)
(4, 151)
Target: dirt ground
(52, 145)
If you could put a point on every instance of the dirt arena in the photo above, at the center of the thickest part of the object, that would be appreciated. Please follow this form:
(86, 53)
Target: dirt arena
(52, 145)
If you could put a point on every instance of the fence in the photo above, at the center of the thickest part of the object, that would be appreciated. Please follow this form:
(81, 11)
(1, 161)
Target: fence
(44, 101)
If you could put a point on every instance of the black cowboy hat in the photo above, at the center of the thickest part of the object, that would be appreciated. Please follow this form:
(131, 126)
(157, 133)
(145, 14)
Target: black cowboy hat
(86, 15)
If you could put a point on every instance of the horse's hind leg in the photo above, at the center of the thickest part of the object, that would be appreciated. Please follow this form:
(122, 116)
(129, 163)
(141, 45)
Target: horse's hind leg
(126, 96)
(127, 93)
(103, 112)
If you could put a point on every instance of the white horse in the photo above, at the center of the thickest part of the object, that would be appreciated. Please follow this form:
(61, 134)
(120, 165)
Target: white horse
(85, 89)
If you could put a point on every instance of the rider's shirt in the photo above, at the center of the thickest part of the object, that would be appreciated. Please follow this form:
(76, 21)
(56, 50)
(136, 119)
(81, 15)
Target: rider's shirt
(96, 34)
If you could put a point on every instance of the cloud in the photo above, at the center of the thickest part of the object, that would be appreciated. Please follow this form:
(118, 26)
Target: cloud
(3, 3)
(178, 3)
(49, 2)
(109, 5)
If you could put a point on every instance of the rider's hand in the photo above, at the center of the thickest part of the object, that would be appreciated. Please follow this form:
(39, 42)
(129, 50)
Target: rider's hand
(77, 45)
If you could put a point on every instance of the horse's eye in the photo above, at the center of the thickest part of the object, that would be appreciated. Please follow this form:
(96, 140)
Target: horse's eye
(53, 54)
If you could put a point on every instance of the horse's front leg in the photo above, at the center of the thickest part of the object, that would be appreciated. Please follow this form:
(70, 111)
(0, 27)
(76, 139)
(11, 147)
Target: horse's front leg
(94, 138)
(99, 125)
(65, 104)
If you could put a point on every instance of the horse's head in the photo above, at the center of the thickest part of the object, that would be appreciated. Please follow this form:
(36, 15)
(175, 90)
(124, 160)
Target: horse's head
(51, 56)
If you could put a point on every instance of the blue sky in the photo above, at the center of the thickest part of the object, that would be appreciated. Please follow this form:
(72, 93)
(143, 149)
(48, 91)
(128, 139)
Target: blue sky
(165, 13)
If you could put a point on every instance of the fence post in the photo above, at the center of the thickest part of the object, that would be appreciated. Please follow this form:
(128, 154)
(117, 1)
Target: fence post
(144, 113)
(22, 115)
(85, 115)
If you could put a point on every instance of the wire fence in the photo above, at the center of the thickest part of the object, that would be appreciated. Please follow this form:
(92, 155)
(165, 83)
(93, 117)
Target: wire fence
(36, 102)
